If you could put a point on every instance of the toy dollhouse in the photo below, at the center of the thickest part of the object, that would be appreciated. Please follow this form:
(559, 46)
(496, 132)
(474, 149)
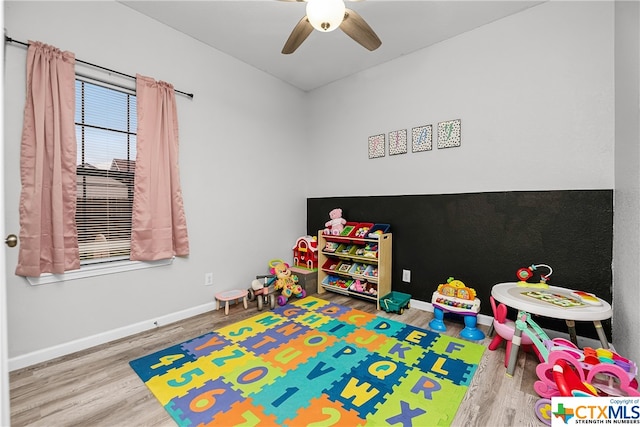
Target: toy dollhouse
(305, 253)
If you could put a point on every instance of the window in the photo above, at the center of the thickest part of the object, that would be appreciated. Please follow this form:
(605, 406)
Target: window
(106, 124)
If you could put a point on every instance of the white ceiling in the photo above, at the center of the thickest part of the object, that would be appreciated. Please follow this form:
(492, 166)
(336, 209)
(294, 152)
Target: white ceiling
(255, 31)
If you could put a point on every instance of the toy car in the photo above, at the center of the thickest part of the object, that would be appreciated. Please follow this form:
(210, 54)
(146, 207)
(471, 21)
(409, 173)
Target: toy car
(263, 292)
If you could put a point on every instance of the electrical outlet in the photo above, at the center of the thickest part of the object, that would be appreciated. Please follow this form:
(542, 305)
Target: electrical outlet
(406, 276)
(208, 279)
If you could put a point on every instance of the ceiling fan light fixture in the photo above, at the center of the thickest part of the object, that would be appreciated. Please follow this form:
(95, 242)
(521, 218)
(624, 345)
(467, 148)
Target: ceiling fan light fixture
(325, 15)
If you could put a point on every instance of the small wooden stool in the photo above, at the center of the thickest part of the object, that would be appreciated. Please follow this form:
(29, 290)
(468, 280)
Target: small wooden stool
(233, 294)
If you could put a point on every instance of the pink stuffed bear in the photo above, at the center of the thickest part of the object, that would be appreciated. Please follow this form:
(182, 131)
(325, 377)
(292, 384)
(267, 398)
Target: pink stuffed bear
(336, 224)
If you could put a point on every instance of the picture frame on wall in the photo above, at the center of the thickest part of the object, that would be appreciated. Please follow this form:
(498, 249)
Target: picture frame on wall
(376, 146)
(422, 138)
(398, 142)
(449, 134)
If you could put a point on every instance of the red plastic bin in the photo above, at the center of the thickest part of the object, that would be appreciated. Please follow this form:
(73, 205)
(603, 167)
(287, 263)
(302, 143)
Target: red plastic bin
(361, 230)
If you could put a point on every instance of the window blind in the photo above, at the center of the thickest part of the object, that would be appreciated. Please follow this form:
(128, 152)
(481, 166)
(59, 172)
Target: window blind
(106, 126)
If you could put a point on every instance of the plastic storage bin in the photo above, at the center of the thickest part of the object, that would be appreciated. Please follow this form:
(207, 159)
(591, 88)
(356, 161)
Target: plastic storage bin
(348, 229)
(361, 230)
(395, 302)
(378, 229)
(331, 264)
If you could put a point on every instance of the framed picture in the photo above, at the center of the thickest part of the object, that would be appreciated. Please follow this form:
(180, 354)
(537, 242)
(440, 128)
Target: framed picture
(398, 142)
(449, 134)
(376, 146)
(422, 138)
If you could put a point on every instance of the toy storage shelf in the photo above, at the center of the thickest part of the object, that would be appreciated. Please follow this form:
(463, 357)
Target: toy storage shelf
(352, 260)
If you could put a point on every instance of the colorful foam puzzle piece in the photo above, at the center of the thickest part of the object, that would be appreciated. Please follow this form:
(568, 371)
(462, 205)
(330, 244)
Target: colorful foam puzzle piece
(315, 363)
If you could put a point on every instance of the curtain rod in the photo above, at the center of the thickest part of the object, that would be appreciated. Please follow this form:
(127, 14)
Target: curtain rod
(8, 39)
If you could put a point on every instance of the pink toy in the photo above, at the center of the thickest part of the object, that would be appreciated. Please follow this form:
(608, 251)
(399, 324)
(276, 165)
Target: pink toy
(586, 370)
(336, 224)
(564, 374)
(505, 329)
(357, 286)
(566, 370)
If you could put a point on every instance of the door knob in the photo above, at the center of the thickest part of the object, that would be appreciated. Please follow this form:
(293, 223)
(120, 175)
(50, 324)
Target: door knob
(11, 240)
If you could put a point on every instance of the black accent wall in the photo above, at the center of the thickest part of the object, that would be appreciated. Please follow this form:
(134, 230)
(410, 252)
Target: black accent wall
(484, 238)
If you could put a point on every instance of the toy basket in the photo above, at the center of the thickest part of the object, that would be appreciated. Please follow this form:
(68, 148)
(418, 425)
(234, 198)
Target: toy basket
(376, 229)
(395, 302)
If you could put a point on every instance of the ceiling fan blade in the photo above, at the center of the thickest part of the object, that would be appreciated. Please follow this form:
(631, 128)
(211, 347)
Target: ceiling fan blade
(355, 27)
(299, 34)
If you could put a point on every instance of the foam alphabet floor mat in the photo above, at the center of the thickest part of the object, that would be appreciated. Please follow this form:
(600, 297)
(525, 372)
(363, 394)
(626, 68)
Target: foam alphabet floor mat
(313, 363)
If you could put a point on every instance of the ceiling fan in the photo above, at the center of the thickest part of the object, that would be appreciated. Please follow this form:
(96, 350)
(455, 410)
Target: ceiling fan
(327, 15)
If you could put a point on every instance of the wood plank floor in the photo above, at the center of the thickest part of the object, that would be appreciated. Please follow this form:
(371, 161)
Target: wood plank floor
(97, 387)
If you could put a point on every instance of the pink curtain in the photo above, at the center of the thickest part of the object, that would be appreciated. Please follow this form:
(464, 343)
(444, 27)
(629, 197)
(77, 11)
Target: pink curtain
(48, 236)
(159, 226)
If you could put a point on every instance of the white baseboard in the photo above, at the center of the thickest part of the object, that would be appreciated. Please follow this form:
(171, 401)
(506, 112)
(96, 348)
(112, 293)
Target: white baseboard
(488, 320)
(50, 353)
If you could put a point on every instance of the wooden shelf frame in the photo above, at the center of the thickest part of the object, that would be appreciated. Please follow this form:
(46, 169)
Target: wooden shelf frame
(382, 262)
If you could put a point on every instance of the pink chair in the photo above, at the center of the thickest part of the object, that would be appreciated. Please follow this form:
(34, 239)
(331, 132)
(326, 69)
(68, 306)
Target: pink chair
(504, 330)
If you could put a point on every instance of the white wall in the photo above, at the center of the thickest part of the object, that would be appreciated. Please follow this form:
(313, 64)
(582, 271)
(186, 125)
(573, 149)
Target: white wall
(237, 153)
(626, 253)
(534, 92)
